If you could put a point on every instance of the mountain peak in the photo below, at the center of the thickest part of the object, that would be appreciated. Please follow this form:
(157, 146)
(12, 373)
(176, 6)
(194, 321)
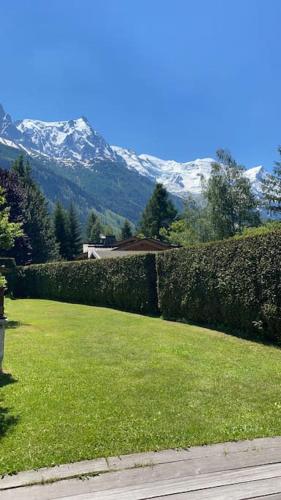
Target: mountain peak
(7, 128)
(2, 111)
(73, 140)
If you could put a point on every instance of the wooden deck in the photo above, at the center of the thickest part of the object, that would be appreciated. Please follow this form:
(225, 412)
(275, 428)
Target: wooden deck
(230, 471)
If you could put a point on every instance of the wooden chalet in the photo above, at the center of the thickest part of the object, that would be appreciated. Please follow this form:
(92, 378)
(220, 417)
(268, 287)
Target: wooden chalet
(131, 246)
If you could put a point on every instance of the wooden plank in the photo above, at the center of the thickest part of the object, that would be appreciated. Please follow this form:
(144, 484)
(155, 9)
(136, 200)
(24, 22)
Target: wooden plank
(245, 491)
(144, 483)
(239, 478)
(171, 465)
(57, 472)
(262, 446)
(183, 469)
(168, 456)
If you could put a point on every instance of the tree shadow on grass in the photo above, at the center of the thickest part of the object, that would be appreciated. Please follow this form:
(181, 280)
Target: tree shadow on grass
(6, 419)
(6, 379)
(256, 337)
(13, 324)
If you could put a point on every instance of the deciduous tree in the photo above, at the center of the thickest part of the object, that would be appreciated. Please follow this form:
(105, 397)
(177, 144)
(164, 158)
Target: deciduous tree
(231, 204)
(272, 188)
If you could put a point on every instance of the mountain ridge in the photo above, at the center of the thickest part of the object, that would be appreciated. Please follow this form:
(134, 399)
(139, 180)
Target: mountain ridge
(181, 178)
(110, 178)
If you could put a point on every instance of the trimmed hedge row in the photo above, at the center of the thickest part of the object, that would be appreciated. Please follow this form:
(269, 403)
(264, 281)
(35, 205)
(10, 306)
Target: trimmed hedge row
(235, 283)
(128, 283)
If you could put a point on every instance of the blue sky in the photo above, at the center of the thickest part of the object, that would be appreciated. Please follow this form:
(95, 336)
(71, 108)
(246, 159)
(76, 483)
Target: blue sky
(173, 78)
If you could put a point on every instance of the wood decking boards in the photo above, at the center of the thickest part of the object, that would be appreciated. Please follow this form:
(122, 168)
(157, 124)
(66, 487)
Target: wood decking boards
(230, 471)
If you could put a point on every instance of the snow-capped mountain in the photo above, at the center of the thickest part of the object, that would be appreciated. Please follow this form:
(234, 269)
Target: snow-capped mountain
(7, 128)
(67, 141)
(76, 143)
(180, 179)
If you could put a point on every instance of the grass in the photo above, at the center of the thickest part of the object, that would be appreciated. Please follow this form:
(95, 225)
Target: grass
(87, 382)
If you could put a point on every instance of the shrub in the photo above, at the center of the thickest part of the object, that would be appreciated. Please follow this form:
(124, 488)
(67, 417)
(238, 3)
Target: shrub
(8, 270)
(235, 283)
(124, 283)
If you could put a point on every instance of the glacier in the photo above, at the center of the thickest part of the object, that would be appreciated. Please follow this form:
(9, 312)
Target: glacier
(184, 178)
(75, 142)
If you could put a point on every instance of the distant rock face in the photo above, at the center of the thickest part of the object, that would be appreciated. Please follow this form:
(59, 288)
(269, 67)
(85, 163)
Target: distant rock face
(7, 127)
(65, 140)
(76, 142)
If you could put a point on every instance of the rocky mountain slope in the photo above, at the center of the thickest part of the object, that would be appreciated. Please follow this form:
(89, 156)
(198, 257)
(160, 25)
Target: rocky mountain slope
(73, 162)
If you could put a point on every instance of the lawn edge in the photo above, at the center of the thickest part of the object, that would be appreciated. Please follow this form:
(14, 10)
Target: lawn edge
(145, 459)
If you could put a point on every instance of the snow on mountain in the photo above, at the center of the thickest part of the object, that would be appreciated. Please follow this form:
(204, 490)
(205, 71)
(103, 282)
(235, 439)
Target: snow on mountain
(180, 178)
(65, 140)
(256, 176)
(76, 142)
(9, 143)
(7, 128)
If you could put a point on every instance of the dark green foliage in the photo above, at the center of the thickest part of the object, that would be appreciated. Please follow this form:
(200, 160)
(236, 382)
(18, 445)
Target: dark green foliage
(272, 188)
(16, 199)
(8, 269)
(126, 230)
(23, 169)
(74, 233)
(231, 204)
(159, 213)
(38, 225)
(268, 227)
(128, 283)
(236, 283)
(61, 229)
(93, 229)
(192, 226)
(92, 219)
(39, 228)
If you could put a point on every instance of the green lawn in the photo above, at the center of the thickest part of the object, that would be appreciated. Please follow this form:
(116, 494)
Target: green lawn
(93, 382)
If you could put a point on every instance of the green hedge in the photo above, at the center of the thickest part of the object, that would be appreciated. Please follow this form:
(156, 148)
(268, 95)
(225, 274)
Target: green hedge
(8, 269)
(128, 283)
(235, 283)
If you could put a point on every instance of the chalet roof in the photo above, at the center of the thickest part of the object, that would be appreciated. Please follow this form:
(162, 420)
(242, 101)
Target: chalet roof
(108, 253)
(125, 248)
(134, 242)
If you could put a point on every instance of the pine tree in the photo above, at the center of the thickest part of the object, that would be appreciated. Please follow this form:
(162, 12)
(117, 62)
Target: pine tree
(38, 226)
(61, 228)
(158, 213)
(15, 198)
(126, 231)
(22, 168)
(74, 233)
(93, 229)
(271, 187)
(231, 204)
(92, 219)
